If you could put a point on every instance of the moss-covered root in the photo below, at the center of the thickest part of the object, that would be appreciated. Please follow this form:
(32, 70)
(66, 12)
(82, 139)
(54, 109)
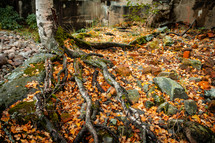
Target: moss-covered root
(57, 137)
(131, 113)
(78, 79)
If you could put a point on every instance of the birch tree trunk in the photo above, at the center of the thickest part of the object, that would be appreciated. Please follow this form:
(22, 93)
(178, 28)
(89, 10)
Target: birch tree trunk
(45, 24)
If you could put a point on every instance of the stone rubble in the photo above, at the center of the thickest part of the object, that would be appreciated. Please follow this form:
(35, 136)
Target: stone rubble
(14, 50)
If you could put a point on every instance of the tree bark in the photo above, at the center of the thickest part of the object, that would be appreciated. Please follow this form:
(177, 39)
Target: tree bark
(45, 24)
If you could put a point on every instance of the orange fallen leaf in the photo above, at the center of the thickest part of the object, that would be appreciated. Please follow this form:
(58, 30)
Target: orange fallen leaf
(204, 85)
(195, 46)
(186, 54)
(210, 35)
(25, 128)
(196, 118)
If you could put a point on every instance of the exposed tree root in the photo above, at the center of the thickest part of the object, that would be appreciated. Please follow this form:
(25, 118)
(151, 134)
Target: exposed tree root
(47, 81)
(78, 79)
(109, 131)
(80, 135)
(86, 45)
(41, 103)
(107, 45)
(131, 113)
(96, 110)
(56, 137)
(60, 82)
(182, 34)
(95, 82)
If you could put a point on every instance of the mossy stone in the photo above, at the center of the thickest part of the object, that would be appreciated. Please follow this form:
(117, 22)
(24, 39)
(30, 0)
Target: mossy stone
(171, 110)
(198, 133)
(34, 69)
(23, 107)
(24, 112)
(14, 89)
(149, 104)
(82, 35)
(158, 99)
(141, 40)
(190, 107)
(133, 95)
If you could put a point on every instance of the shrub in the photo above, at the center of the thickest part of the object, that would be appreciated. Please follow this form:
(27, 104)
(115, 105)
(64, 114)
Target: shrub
(32, 21)
(9, 18)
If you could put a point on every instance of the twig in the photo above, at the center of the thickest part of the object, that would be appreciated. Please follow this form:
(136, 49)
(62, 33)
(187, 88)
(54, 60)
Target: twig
(189, 27)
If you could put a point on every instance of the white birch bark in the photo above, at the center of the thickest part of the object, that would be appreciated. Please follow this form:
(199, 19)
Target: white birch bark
(45, 24)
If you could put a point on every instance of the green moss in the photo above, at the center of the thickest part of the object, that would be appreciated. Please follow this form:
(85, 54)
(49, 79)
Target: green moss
(82, 43)
(71, 41)
(56, 58)
(158, 99)
(141, 40)
(95, 106)
(61, 36)
(65, 115)
(49, 105)
(83, 35)
(127, 105)
(24, 112)
(23, 107)
(34, 69)
(54, 118)
(54, 96)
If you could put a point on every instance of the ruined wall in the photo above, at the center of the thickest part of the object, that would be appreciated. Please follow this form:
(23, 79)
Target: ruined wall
(76, 14)
(119, 8)
(81, 13)
(201, 10)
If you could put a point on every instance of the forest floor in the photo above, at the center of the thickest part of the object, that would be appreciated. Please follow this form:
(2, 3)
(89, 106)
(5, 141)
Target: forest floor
(135, 70)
